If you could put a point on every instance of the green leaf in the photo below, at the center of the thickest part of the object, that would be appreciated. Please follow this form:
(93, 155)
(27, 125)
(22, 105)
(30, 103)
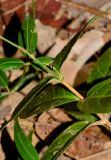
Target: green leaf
(30, 139)
(3, 95)
(30, 136)
(24, 147)
(10, 63)
(83, 116)
(22, 81)
(72, 110)
(41, 62)
(63, 140)
(45, 60)
(102, 67)
(30, 97)
(21, 41)
(3, 80)
(52, 96)
(61, 57)
(28, 39)
(98, 99)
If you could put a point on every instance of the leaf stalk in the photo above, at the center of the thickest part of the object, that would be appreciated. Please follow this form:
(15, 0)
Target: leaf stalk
(72, 90)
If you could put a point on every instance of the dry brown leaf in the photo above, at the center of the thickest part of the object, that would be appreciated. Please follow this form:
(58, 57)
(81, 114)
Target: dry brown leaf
(90, 141)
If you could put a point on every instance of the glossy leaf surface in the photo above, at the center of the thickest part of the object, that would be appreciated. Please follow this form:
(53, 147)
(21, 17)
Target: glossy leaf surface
(63, 140)
(71, 109)
(42, 62)
(61, 57)
(52, 96)
(82, 116)
(23, 144)
(45, 60)
(3, 80)
(30, 97)
(10, 63)
(28, 39)
(30, 136)
(21, 41)
(102, 67)
(98, 99)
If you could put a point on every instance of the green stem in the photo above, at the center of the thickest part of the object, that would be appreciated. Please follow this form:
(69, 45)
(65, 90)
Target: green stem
(17, 46)
(8, 41)
(31, 56)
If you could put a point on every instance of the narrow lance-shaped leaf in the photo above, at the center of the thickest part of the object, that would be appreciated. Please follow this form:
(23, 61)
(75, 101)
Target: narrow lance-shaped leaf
(30, 136)
(30, 97)
(28, 38)
(10, 64)
(21, 41)
(63, 140)
(23, 144)
(30, 139)
(61, 57)
(82, 116)
(3, 80)
(71, 109)
(52, 96)
(98, 99)
(102, 67)
(22, 81)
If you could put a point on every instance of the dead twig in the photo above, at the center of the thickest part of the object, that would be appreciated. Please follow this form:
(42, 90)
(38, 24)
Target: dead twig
(97, 155)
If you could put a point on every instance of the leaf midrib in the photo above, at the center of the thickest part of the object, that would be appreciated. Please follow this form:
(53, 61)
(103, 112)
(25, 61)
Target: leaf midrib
(30, 99)
(52, 99)
(24, 146)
